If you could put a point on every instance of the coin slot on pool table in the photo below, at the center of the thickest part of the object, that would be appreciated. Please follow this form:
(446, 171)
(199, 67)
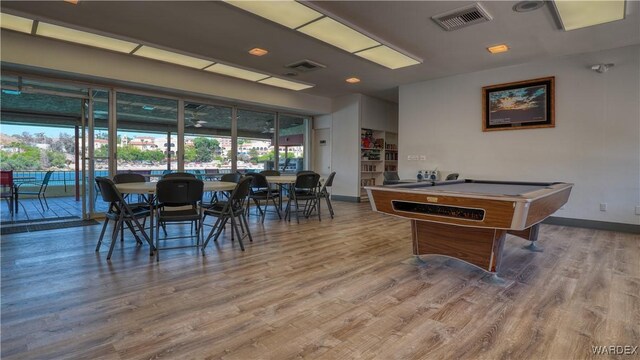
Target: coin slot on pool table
(439, 210)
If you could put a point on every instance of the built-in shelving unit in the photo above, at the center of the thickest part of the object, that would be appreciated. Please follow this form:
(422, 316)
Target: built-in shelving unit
(378, 153)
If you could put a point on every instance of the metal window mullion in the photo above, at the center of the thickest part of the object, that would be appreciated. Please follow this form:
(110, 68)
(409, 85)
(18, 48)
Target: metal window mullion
(112, 131)
(87, 154)
(180, 140)
(276, 141)
(234, 139)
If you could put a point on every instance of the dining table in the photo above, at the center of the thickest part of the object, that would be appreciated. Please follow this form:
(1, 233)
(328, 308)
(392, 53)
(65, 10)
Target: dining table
(149, 189)
(284, 182)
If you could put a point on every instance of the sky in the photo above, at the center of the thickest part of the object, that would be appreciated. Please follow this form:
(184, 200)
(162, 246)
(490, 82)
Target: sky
(52, 132)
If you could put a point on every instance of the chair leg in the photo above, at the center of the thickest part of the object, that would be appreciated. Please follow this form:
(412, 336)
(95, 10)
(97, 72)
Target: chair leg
(246, 224)
(104, 229)
(275, 206)
(114, 237)
(329, 205)
(157, 234)
(234, 226)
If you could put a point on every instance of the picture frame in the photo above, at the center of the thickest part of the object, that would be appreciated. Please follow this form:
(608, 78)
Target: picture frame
(527, 104)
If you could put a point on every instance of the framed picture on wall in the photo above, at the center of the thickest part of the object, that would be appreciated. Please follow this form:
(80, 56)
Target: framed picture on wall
(519, 105)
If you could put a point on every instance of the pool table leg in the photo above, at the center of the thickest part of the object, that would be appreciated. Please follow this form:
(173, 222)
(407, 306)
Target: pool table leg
(481, 247)
(530, 234)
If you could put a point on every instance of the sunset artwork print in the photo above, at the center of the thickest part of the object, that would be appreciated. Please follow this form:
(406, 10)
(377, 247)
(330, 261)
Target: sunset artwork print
(518, 105)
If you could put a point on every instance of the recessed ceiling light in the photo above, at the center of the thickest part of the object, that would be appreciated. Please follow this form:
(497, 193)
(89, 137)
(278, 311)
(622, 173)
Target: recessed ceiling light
(579, 14)
(148, 107)
(171, 57)
(16, 23)
(498, 49)
(85, 38)
(528, 5)
(258, 52)
(352, 80)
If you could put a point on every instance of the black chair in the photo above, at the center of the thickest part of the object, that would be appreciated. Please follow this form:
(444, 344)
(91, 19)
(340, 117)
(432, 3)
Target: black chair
(324, 192)
(261, 191)
(231, 177)
(120, 212)
(41, 191)
(173, 194)
(305, 172)
(270, 172)
(390, 177)
(305, 189)
(232, 210)
(179, 175)
(452, 176)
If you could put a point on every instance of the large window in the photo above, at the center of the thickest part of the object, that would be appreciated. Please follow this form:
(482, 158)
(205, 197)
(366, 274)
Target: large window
(291, 141)
(146, 139)
(207, 138)
(256, 133)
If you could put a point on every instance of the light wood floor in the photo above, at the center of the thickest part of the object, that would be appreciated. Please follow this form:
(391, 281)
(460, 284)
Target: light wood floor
(340, 289)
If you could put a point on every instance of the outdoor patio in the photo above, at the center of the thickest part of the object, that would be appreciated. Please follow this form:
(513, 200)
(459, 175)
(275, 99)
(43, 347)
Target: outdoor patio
(29, 209)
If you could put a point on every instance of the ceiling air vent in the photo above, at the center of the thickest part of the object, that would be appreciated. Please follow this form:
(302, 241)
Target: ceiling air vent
(305, 66)
(462, 17)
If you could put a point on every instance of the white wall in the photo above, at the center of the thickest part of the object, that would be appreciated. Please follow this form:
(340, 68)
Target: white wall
(595, 144)
(44, 53)
(345, 145)
(379, 114)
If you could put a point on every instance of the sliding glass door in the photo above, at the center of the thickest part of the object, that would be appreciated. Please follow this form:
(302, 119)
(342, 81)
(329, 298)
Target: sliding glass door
(147, 134)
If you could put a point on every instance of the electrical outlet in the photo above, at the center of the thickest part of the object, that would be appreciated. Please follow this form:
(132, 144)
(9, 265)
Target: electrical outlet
(637, 210)
(603, 206)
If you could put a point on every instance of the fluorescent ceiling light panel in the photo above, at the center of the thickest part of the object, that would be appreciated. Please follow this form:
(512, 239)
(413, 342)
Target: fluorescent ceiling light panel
(171, 57)
(16, 23)
(580, 14)
(85, 38)
(291, 85)
(288, 13)
(236, 72)
(388, 57)
(338, 35)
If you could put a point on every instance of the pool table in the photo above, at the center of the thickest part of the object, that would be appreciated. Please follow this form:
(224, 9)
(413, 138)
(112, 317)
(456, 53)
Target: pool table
(469, 219)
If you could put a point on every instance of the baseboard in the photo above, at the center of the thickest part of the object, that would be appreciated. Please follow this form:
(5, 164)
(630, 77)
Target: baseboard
(593, 224)
(345, 198)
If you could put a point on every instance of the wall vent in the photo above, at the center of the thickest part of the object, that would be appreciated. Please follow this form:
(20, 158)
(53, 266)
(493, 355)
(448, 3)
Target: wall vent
(462, 17)
(305, 66)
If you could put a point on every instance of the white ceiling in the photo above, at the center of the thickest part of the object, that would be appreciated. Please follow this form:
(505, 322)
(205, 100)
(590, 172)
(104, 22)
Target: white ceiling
(222, 32)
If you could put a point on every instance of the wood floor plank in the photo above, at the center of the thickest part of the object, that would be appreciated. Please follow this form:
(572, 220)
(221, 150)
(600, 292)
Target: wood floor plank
(342, 288)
